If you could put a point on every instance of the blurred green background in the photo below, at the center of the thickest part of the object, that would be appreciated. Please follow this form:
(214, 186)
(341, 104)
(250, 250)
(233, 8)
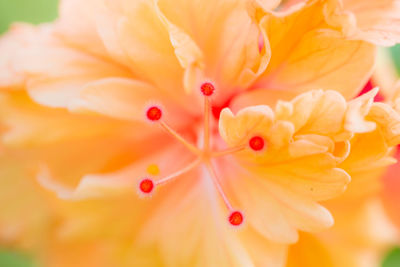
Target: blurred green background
(36, 11)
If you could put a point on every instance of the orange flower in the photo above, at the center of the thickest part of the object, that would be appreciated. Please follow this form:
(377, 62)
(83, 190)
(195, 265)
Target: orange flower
(125, 97)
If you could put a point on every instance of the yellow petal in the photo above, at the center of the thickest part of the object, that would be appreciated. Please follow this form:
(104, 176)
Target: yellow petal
(357, 111)
(315, 112)
(389, 121)
(253, 120)
(309, 252)
(326, 139)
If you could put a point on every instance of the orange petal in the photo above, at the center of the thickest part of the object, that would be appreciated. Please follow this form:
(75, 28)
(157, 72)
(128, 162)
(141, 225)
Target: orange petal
(27, 123)
(127, 99)
(375, 21)
(55, 72)
(314, 57)
(221, 29)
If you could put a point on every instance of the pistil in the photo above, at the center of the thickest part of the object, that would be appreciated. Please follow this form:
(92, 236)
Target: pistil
(204, 155)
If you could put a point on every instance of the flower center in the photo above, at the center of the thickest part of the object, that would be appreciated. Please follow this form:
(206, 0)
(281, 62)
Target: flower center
(204, 155)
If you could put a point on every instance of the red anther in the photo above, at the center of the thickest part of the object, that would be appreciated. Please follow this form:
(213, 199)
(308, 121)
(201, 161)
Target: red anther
(207, 89)
(146, 186)
(236, 218)
(256, 143)
(154, 113)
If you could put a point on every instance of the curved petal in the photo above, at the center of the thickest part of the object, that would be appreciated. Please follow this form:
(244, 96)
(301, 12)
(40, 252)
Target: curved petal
(126, 99)
(375, 21)
(227, 37)
(131, 35)
(29, 124)
(55, 72)
(312, 164)
(236, 129)
(314, 57)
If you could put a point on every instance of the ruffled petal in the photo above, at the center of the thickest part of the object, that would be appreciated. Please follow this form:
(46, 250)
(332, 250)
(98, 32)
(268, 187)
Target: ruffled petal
(314, 57)
(376, 21)
(324, 145)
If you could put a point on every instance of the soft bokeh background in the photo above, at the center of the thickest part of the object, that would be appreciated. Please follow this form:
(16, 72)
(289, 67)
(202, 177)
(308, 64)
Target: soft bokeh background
(36, 11)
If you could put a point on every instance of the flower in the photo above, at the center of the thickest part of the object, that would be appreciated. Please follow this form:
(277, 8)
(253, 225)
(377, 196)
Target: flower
(125, 109)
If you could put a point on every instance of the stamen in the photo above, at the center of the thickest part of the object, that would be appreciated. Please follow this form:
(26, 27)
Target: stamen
(218, 186)
(172, 132)
(228, 151)
(235, 218)
(207, 89)
(207, 110)
(256, 143)
(146, 186)
(204, 155)
(178, 173)
(154, 113)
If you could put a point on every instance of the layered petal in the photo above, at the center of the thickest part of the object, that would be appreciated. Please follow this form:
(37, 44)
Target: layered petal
(126, 99)
(307, 54)
(53, 72)
(310, 159)
(227, 37)
(112, 30)
(375, 21)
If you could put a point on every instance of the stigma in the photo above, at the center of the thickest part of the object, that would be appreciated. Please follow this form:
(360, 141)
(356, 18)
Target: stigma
(154, 113)
(146, 186)
(256, 143)
(205, 155)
